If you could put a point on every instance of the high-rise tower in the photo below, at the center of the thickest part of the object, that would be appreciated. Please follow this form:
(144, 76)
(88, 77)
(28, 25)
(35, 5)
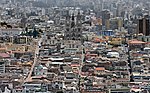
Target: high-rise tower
(143, 26)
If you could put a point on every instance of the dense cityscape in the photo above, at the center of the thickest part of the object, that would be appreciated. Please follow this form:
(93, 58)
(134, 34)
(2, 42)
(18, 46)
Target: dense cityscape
(74, 46)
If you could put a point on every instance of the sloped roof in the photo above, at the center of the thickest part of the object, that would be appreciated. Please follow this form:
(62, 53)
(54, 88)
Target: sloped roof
(134, 41)
(99, 68)
(4, 55)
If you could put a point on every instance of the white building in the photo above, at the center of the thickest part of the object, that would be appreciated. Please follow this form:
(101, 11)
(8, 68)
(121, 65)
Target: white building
(12, 32)
(113, 54)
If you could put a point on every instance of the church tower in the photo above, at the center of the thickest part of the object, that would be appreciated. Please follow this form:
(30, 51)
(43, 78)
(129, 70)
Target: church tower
(73, 29)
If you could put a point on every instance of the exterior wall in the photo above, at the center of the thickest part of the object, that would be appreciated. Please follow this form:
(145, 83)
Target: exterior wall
(11, 32)
(2, 67)
(73, 27)
(143, 26)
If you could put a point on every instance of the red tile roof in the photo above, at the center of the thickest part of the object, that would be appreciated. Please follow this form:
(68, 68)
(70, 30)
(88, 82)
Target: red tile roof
(134, 41)
(75, 65)
(4, 55)
(100, 68)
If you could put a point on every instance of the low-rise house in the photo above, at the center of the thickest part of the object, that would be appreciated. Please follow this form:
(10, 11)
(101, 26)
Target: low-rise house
(12, 32)
(136, 45)
(99, 71)
(57, 85)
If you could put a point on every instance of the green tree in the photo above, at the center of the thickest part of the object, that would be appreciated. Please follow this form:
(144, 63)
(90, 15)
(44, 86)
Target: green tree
(26, 29)
(40, 31)
(35, 33)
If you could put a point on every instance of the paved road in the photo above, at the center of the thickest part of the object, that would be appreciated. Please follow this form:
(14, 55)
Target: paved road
(80, 69)
(35, 57)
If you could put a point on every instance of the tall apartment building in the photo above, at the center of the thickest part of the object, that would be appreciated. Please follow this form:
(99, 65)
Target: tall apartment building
(114, 23)
(143, 26)
(105, 17)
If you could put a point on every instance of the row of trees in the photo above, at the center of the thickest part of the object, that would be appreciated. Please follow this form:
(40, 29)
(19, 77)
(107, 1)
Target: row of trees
(4, 24)
(35, 33)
